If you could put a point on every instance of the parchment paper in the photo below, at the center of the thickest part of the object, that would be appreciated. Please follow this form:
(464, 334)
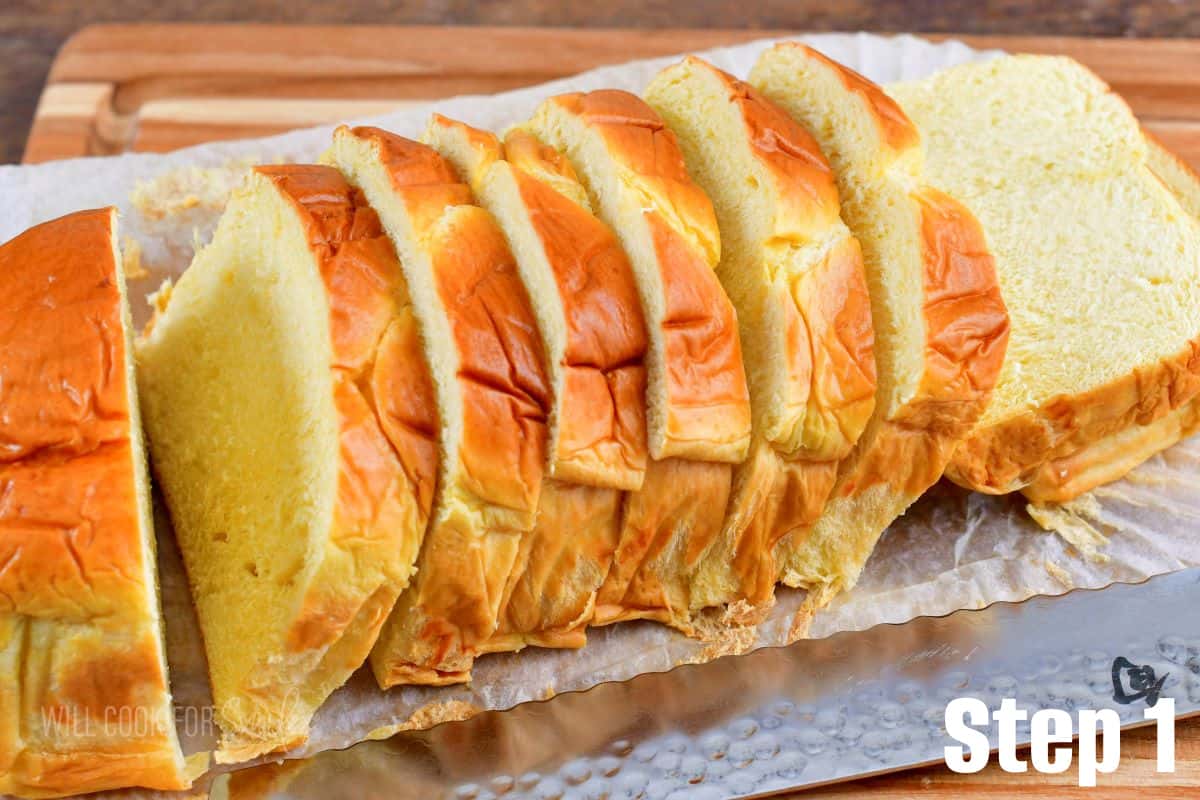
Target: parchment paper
(952, 550)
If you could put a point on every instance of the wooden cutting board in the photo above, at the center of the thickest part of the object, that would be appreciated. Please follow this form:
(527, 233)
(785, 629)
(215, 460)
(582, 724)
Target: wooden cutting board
(119, 88)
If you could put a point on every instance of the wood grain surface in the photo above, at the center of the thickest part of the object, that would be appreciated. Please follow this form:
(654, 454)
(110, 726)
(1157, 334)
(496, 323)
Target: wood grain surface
(32, 31)
(157, 87)
(161, 87)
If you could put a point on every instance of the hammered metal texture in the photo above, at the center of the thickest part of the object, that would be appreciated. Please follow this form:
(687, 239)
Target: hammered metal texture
(786, 718)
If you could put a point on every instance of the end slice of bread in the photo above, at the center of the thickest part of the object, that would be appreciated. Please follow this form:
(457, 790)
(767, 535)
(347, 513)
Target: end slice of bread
(795, 275)
(80, 624)
(482, 342)
(582, 290)
(940, 324)
(299, 483)
(1111, 457)
(698, 410)
(1098, 260)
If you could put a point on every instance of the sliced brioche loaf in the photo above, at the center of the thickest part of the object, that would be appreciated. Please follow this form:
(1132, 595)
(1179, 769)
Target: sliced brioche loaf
(482, 343)
(1098, 260)
(795, 276)
(940, 324)
(586, 301)
(698, 412)
(80, 625)
(290, 419)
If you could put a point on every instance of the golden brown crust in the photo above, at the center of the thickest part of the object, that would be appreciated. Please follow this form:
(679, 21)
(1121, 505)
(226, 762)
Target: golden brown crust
(70, 548)
(966, 321)
(78, 624)
(965, 325)
(966, 328)
(838, 339)
(707, 402)
(1111, 458)
(450, 610)
(64, 387)
(376, 345)
(602, 418)
(1008, 456)
(601, 440)
(830, 335)
(666, 528)
(966, 336)
(501, 362)
(783, 485)
(706, 382)
(673, 520)
(551, 590)
(842, 337)
(775, 499)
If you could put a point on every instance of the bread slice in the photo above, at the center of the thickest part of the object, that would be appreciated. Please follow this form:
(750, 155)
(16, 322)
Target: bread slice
(1105, 301)
(482, 342)
(795, 276)
(80, 624)
(583, 293)
(582, 290)
(290, 420)
(1111, 457)
(940, 324)
(698, 410)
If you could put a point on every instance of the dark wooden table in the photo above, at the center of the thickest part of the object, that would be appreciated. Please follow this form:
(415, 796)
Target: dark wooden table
(31, 31)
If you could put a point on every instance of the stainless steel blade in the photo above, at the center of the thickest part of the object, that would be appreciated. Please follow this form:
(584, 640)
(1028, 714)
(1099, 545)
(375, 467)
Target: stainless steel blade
(815, 712)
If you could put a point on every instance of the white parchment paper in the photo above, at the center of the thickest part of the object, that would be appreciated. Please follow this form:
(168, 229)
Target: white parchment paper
(952, 550)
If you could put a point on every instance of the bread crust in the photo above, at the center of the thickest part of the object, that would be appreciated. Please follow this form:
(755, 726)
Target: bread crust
(1016, 454)
(674, 519)
(376, 343)
(489, 498)
(501, 356)
(602, 418)
(79, 632)
(707, 408)
(599, 437)
(824, 322)
(598, 445)
(666, 529)
(966, 330)
(1111, 458)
